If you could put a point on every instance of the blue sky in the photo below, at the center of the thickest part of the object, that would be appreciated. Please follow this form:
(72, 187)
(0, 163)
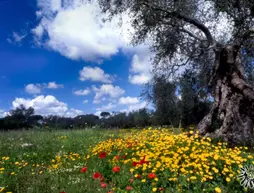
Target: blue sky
(61, 59)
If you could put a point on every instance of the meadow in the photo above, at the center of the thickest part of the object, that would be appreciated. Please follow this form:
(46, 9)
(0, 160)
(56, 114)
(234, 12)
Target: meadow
(118, 161)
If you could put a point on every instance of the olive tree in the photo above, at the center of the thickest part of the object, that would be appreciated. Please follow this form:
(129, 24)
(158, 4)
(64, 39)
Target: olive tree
(186, 32)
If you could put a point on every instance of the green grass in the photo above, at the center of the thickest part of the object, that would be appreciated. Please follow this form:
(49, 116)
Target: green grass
(27, 159)
(43, 147)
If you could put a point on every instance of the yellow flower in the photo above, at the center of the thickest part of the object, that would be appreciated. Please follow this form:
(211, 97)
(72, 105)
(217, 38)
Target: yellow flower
(154, 189)
(217, 189)
(228, 179)
(193, 177)
(225, 170)
(156, 179)
(216, 157)
(144, 180)
(55, 166)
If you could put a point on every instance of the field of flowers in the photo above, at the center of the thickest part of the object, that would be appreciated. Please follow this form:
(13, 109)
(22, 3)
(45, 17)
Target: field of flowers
(135, 161)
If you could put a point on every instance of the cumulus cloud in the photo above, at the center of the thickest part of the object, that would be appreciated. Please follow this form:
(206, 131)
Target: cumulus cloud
(47, 105)
(35, 89)
(107, 92)
(89, 38)
(82, 92)
(73, 113)
(2, 113)
(53, 85)
(141, 66)
(139, 79)
(136, 107)
(107, 107)
(95, 74)
(128, 100)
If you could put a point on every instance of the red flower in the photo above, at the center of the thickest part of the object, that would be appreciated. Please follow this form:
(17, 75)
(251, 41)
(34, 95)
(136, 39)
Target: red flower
(161, 189)
(151, 175)
(124, 156)
(143, 161)
(62, 192)
(131, 180)
(83, 170)
(117, 157)
(103, 155)
(96, 175)
(110, 191)
(139, 176)
(128, 188)
(116, 169)
(135, 163)
(103, 185)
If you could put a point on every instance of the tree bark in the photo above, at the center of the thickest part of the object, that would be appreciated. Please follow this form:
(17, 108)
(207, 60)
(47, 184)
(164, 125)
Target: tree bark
(231, 117)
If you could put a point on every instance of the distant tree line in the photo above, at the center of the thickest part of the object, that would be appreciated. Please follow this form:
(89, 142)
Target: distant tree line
(177, 103)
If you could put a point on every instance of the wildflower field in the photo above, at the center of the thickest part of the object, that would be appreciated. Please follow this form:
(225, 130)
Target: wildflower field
(110, 161)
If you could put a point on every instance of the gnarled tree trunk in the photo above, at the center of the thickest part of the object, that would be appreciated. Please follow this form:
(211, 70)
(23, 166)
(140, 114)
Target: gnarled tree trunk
(231, 117)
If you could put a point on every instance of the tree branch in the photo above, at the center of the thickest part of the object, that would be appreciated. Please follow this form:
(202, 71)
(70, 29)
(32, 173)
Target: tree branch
(192, 21)
(191, 34)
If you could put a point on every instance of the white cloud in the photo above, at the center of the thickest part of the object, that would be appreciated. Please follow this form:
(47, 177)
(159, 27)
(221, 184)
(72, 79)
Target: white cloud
(73, 113)
(135, 107)
(85, 101)
(89, 38)
(98, 113)
(33, 88)
(95, 74)
(2, 113)
(37, 88)
(53, 85)
(56, 5)
(38, 31)
(82, 92)
(139, 79)
(141, 66)
(16, 38)
(107, 92)
(47, 105)
(128, 100)
(107, 107)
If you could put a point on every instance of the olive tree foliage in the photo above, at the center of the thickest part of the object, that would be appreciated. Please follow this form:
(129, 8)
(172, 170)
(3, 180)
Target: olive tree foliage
(212, 36)
(178, 27)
